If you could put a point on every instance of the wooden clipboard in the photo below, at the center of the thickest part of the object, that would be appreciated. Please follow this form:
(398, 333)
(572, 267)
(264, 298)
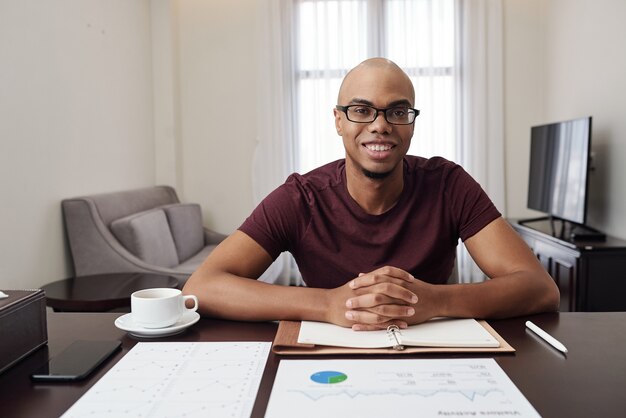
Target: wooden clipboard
(286, 343)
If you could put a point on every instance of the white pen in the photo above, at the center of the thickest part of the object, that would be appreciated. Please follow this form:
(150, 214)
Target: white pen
(546, 337)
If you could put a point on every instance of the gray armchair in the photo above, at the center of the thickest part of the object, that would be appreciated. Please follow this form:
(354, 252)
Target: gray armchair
(143, 230)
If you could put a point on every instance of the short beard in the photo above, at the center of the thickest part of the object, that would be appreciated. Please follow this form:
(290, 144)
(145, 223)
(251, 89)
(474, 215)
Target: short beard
(376, 176)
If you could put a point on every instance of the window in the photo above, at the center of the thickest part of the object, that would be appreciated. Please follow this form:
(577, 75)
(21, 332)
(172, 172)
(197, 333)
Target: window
(333, 36)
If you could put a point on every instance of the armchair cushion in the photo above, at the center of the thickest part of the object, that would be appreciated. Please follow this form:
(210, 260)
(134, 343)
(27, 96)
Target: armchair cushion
(147, 235)
(185, 221)
(193, 262)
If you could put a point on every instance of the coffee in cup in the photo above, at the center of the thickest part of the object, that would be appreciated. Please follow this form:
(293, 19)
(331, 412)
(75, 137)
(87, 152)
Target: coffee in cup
(159, 307)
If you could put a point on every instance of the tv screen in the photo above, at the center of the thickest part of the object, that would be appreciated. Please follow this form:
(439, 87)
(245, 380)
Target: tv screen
(559, 166)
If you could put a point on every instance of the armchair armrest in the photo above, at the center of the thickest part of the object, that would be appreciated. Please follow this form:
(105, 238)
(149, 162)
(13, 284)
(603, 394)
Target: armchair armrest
(213, 238)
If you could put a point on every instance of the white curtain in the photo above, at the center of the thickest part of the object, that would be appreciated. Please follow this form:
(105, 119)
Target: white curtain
(305, 49)
(273, 158)
(334, 36)
(480, 135)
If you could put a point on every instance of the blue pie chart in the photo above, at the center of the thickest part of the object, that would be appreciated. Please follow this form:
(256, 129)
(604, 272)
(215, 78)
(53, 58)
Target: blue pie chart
(328, 377)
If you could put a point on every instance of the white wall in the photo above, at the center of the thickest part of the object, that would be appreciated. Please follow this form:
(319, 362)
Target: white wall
(564, 59)
(75, 118)
(218, 75)
(586, 75)
(524, 74)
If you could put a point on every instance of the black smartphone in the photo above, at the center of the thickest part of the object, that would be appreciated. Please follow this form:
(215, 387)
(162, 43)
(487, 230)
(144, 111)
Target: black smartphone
(76, 361)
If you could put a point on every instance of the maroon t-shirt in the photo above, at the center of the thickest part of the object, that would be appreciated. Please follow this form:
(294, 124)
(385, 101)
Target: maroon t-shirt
(333, 239)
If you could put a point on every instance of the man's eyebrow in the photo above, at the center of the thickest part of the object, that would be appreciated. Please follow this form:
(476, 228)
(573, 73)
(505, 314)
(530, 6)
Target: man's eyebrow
(401, 102)
(361, 101)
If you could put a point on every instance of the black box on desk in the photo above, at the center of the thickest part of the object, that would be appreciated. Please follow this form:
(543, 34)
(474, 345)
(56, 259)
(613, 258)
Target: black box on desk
(23, 325)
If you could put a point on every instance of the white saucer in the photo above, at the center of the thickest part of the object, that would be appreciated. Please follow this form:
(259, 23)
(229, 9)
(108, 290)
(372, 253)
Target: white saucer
(125, 322)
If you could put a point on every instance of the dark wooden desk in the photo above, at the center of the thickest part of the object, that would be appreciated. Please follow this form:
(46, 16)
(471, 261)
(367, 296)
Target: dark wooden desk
(589, 382)
(101, 292)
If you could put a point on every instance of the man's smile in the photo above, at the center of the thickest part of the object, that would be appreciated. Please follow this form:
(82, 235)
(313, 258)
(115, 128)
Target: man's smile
(378, 150)
(379, 147)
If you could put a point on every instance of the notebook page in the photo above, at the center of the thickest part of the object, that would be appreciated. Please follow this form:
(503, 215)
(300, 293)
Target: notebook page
(446, 332)
(321, 333)
(439, 332)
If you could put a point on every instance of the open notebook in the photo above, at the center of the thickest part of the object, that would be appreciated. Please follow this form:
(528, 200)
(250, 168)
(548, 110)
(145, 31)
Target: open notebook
(436, 335)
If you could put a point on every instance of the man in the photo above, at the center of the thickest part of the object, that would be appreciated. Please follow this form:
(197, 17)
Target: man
(374, 235)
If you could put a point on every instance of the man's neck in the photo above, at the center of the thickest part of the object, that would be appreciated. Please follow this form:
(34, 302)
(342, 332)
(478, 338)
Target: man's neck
(375, 196)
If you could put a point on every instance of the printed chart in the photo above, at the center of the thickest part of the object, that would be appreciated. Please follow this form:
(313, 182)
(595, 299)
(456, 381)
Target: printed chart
(212, 379)
(378, 388)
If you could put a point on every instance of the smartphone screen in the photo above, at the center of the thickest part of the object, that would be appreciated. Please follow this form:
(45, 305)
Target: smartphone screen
(77, 360)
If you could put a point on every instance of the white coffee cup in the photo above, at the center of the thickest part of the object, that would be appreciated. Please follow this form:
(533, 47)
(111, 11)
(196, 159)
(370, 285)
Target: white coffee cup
(159, 307)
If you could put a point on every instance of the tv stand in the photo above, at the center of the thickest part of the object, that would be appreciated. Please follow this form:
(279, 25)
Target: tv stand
(588, 272)
(567, 231)
(579, 233)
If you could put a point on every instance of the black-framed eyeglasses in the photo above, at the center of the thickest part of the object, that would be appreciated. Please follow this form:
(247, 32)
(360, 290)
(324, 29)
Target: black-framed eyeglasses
(397, 115)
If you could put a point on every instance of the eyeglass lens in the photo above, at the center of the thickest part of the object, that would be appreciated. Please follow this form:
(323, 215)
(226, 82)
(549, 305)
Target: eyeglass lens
(395, 115)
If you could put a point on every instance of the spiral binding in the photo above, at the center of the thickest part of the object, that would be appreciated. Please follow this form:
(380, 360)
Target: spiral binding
(392, 333)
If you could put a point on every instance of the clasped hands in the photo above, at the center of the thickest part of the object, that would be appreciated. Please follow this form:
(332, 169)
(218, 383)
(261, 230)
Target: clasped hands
(383, 297)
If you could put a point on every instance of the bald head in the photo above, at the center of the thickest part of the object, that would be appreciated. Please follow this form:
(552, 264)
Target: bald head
(375, 70)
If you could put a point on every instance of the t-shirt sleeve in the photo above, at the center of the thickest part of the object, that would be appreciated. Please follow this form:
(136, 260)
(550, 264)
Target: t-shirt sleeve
(472, 209)
(280, 219)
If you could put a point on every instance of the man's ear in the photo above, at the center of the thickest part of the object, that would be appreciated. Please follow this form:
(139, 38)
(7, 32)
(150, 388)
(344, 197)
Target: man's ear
(337, 114)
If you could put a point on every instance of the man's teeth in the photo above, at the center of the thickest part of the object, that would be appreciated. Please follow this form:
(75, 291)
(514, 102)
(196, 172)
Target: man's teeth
(378, 147)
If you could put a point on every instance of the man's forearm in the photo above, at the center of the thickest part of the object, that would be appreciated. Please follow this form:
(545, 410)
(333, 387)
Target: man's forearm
(232, 297)
(514, 295)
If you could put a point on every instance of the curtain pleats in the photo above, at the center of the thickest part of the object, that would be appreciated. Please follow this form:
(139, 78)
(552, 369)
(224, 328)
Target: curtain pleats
(451, 49)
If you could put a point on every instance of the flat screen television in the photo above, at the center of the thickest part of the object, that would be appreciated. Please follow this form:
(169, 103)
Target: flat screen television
(559, 169)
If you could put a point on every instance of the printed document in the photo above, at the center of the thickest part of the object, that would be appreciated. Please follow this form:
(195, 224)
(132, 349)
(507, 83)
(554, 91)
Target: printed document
(174, 379)
(400, 388)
